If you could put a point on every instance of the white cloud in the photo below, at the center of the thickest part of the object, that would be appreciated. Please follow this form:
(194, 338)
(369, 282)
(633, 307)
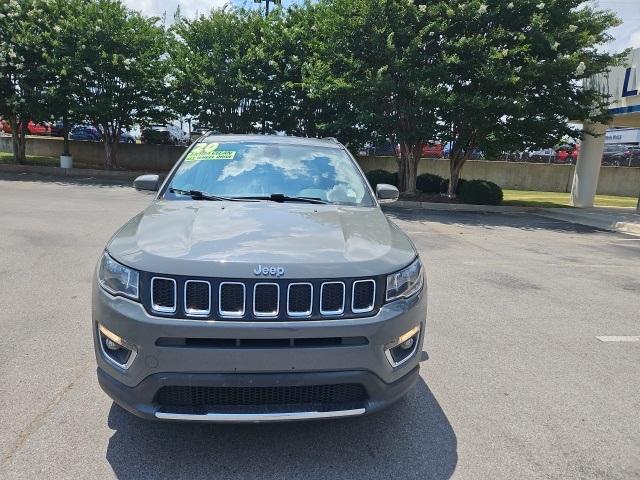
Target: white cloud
(189, 8)
(627, 34)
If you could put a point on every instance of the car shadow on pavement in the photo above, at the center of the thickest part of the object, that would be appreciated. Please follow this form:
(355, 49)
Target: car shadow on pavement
(411, 439)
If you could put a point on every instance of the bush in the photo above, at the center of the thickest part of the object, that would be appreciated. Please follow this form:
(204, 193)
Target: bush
(381, 176)
(428, 183)
(480, 192)
(444, 186)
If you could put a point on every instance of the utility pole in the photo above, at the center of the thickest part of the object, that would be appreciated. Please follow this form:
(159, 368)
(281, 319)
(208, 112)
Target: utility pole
(268, 2)
(266, 14)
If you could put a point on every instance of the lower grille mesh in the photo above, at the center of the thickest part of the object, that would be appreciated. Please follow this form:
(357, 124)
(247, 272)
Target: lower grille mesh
(324, 397)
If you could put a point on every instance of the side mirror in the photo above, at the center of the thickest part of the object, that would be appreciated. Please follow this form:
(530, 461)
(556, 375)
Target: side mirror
(149, 183)
(387, 193)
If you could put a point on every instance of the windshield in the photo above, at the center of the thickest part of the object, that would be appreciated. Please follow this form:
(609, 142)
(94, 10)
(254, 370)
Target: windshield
(237, 169)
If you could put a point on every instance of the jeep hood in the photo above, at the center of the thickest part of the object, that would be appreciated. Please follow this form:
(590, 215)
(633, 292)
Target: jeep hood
(230, 239)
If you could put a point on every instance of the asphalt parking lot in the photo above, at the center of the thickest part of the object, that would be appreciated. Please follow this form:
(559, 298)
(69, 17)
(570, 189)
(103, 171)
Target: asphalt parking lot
(514, 382)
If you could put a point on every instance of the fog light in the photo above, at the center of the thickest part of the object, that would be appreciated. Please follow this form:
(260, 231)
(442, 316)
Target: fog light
(115, 349)
(111, 345)
(407, 345)
(402, 349)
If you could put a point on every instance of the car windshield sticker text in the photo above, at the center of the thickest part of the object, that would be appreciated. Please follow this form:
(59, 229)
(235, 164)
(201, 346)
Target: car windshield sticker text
(209, 151)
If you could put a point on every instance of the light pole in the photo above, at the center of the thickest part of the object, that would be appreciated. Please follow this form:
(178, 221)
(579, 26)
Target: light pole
(266, 14)
(275, 2)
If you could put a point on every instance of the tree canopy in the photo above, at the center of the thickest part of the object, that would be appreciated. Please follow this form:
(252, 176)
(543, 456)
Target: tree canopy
(24, 25)
(475, 74)
(124, 72)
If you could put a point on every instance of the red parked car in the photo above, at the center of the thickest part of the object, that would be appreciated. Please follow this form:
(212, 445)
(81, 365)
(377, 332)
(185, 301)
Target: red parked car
(433, 150)
(32, 128)
(567, 153)
(429, 150)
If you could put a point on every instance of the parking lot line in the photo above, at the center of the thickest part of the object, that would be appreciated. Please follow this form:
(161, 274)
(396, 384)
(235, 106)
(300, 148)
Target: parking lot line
(620, 338)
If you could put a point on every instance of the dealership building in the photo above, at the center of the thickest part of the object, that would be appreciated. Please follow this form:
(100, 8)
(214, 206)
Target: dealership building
(622, 84)
(622, 136)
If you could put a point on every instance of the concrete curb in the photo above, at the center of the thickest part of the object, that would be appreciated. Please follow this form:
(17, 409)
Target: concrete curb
(462, 207)
(70, 172)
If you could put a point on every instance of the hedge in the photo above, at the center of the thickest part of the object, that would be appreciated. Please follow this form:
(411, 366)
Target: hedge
(480, 192)
(429, 183)
(444, 186)
(381, 176)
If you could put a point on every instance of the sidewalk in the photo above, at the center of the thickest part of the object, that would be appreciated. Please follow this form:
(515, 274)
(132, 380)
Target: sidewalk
(624, 220)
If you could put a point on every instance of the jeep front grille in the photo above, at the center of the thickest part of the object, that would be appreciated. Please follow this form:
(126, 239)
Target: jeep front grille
(254, 300)
(197, 298)
(332, 298)
(300, 299)
(266, 299)
(163, 295)
(231, 299)
(363, 296)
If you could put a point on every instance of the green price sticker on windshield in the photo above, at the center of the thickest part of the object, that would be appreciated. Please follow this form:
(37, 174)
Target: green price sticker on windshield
(209, 151)
(215, 155)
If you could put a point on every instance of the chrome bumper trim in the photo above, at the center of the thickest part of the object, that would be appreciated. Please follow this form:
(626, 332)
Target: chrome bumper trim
(257, 417)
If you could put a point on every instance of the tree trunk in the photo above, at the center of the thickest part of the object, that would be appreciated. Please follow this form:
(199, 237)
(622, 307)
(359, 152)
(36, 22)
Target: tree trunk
(110, 147)
(455, 167)
(459, 155)
(111, 154)
(18, 142)
(408, 167)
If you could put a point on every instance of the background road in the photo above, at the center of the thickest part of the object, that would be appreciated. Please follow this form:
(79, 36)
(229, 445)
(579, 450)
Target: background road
(516, 385)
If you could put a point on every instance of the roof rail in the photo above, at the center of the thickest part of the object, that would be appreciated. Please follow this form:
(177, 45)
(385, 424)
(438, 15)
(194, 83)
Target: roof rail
(331, 139)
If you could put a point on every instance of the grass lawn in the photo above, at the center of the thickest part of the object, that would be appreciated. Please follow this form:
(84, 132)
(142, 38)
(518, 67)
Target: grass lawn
(31, 160)
(526, 198)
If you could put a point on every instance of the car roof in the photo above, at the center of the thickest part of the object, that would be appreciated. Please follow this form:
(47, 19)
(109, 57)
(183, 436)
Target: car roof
(273, 139)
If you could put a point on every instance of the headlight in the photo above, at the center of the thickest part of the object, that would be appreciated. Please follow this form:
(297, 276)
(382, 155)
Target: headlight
(406, 282)
(117, 279)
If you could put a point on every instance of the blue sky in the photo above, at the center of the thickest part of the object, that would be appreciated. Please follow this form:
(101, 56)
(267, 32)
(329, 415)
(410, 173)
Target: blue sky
(627, 35)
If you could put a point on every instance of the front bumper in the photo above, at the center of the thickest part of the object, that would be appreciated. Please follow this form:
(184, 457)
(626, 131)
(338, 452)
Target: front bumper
(140, 400)
(156, 366)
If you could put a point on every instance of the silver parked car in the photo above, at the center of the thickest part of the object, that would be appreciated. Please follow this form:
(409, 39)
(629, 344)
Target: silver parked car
(262, 283)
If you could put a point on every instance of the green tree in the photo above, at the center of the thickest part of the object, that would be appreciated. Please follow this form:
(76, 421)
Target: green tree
(24, 25)
(513, 72)
(63, 60)
(240, 72)
(376, 62)
(220, 70)
(122, 72)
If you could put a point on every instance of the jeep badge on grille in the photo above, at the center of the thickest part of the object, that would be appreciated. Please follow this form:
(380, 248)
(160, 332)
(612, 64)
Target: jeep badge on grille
(268, 271)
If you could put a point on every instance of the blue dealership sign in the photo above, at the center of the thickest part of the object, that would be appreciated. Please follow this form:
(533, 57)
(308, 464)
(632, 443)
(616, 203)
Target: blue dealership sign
(625, 87)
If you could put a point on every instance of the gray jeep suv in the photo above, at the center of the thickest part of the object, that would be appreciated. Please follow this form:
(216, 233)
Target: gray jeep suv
(262, 283)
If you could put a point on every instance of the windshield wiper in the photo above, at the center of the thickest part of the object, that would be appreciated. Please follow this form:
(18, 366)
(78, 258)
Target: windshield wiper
(281, 198)
(198, 195)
